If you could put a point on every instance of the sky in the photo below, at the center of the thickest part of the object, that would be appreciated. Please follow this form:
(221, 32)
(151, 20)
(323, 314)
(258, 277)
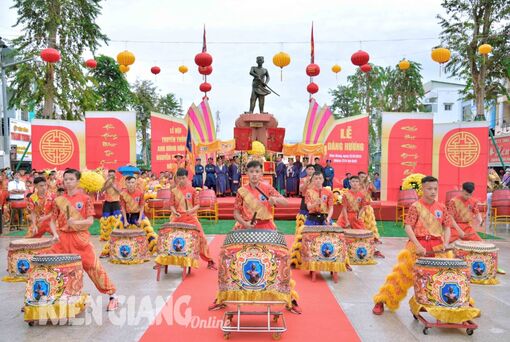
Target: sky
(169, 33)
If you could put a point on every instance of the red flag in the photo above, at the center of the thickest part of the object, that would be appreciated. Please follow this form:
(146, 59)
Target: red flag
(312, 54)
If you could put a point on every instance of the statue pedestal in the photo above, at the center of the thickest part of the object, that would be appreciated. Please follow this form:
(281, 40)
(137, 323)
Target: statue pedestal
(259, 123)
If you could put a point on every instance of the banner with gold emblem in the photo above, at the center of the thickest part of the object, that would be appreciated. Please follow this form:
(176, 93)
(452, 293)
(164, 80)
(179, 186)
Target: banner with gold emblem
(461, 154)
(58, 144)
(406, 149)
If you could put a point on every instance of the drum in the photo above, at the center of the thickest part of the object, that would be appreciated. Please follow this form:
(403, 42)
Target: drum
(179, 245)
(54, 287)
(128, 246)
(360, 246)
(20, 254)
(481, 258)
(254, 266)
(323, 248)
(18, 204)
(441, 282)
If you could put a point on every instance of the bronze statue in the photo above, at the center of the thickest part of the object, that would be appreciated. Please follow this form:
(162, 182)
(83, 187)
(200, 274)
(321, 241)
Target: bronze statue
(259, 85)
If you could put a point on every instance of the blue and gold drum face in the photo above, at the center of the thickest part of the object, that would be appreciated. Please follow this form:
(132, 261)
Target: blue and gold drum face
(23, 266)
(478, 269)
(327, 250)
(125, 251)
(40, 289)
(450, 293)
(178, 244)
(253, 271)
(361, 253)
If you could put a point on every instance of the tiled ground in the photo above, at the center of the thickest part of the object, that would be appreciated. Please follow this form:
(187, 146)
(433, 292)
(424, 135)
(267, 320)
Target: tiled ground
(354, 292)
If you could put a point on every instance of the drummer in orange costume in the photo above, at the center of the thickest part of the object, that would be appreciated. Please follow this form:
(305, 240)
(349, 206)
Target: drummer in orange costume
(355, 201)
(184, 204)
(72, 216)
(40, 205)
(132, 202)
(319, 202)
(464, 212)
(252, 207)
(427, 225)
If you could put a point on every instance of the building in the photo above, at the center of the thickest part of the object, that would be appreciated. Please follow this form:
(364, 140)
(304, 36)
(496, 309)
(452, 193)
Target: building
(502, 124)
(444, 99)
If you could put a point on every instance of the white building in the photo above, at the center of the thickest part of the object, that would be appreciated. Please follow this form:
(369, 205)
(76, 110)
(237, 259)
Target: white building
(444, 99)
(503, 114)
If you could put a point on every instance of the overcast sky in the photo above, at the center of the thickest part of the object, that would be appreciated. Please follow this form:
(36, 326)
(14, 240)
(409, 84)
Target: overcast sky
(168, 34)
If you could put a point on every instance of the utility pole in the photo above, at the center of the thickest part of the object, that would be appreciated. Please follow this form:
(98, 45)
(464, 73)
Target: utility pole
(4, 49)
(218, 121)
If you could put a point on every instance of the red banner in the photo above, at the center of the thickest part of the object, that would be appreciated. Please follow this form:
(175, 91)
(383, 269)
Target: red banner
(461, 155)
(58, 144)
(503, 143)
(168, 138)
(275, 138)
(347, 147)
(242, 136)
(110, 139)
(406, 149)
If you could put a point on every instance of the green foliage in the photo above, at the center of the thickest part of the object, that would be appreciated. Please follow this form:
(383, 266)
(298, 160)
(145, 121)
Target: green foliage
(110, 86)
(169, 105)
(467, 25)
(68, 26)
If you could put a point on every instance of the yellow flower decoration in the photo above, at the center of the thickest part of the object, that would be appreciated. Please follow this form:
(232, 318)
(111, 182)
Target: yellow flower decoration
(91, 181)
(257, 148)
(413, 181)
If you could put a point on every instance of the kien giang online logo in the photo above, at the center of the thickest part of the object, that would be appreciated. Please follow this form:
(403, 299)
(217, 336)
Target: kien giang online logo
(135, 311)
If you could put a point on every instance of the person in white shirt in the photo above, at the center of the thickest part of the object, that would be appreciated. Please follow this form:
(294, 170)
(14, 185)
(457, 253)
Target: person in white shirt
(17, 189)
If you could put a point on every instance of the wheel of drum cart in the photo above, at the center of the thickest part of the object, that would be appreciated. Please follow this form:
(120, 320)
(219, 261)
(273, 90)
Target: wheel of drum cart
(31, 323)
(226, 336)
(425, 331)
(275, 318)
(277, 336)
(415, 317)
(470, 331)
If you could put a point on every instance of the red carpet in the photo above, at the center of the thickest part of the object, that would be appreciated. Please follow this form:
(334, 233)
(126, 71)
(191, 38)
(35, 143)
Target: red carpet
(322, 318)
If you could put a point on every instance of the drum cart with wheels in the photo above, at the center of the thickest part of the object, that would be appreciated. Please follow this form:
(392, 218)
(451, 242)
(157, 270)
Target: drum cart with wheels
(470, 326)
(274, 322)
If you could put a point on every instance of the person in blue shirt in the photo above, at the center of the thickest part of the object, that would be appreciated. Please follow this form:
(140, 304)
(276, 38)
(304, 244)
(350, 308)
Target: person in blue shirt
(210, 174)
(346, 183)
(377, 181)
(234, 175)
(280, 175)
(329, 174)
(198, 178)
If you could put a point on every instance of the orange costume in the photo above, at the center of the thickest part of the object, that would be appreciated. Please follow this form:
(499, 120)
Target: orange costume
(41, 206)
(428, 222)
(110, 195)
(184, 199)
(463, 212)
(132, 202)
(76, 240)
(253, 203)
(326, 197)
(353, 202)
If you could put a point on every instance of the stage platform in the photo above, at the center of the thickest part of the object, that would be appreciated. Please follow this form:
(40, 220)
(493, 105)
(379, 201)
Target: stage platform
(384, 211)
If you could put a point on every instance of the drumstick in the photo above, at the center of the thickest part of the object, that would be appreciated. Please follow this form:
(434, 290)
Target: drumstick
(254, 218)
(68, 213)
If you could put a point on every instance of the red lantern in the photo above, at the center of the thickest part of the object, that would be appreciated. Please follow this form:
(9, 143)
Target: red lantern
(360, 58)
(203, 59)
(312, 88)
(50, 55)
(205, 87)
(205, 70)
(155, 70)
(365, 68)
(91, 63)
(313, 70)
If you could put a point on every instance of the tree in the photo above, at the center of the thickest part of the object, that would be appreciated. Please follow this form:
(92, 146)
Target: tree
(145, 101)
(169, 105)
(467, 25)
(110, 86)
(68, 26)
(404, 90)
